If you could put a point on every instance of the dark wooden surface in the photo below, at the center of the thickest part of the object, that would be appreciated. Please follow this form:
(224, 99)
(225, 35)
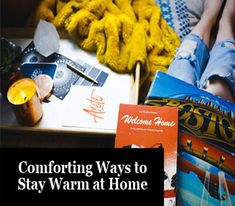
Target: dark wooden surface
(26, 139)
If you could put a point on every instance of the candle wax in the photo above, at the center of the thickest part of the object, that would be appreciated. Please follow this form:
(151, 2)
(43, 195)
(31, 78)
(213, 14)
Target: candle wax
(21, 91)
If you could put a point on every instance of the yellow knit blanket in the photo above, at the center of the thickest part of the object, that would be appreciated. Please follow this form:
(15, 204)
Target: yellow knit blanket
(121, 32)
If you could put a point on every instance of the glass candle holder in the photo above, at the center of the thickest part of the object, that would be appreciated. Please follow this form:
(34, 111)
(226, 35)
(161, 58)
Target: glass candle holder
(27, 106)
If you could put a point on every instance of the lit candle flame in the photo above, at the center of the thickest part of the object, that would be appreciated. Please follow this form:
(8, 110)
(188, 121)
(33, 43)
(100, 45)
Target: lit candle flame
(23, 94)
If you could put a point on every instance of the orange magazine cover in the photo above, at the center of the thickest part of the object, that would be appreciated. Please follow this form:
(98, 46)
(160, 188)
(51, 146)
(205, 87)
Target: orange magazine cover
(142, 126)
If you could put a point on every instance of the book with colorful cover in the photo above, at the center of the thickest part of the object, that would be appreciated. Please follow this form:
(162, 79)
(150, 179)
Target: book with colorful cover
(206, 145)
(141, 126)
(205, 174)
(201, 113)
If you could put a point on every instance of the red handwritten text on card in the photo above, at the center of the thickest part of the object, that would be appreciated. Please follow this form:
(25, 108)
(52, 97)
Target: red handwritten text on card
(96, 106)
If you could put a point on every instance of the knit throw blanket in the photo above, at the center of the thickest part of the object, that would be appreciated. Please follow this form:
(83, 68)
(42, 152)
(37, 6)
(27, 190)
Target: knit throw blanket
(121, 32)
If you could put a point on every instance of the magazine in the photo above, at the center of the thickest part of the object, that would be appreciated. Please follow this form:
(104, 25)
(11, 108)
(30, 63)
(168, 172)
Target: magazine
(200, 113)
(206, 172)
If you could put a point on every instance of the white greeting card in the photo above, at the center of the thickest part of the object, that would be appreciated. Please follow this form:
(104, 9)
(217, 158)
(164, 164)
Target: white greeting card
(93, 107)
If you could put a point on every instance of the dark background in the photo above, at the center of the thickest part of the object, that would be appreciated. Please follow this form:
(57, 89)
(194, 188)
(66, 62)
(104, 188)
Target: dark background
(14, 13)
(10, 138)
(153, 158)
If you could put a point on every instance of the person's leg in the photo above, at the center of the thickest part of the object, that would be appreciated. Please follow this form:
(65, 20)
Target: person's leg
(192, 56)
(208, 19)
(219, 75)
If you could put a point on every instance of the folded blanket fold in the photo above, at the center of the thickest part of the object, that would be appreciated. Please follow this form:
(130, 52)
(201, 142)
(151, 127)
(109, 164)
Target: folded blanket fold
(121, 32)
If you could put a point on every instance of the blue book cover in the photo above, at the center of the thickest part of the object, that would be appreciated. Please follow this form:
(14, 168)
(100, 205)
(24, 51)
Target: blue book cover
(200, 113)
(206, 144)
(205, 173)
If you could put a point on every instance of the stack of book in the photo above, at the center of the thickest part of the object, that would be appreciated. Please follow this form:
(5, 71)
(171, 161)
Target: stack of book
(206, 172)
